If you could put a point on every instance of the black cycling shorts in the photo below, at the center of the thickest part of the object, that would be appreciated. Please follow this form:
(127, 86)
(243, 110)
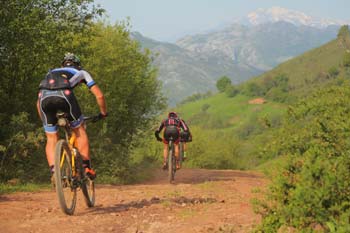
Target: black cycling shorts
(53, 101)
(171, 132)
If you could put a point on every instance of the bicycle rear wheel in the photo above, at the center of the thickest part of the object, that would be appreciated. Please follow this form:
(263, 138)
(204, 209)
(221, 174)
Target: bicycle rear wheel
(87, 185)
(171, 162)
(65, 187)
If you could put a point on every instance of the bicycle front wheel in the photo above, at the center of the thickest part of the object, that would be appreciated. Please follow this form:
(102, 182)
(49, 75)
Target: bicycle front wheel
(64, 180)
(87, 185)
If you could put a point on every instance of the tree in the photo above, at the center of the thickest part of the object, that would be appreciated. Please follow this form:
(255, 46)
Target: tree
(343, 31)
(344, 36)
(132, 91)
(252, 89)
(222, 83)
(33, 36)
(231, 91)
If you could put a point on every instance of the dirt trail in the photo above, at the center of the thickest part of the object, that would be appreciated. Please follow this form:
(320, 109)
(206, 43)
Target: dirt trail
(199, 201)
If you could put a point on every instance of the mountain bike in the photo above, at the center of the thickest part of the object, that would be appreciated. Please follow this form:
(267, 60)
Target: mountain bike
(69, 172)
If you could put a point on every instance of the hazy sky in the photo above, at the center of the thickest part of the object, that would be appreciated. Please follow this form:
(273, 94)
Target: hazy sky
(167, 20)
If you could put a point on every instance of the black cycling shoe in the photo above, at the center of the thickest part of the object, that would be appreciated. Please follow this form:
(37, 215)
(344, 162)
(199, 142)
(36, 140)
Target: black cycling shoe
(90, 173)
(165, 166)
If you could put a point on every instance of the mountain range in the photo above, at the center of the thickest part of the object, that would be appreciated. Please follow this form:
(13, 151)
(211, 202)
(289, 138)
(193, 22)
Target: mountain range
(240, 51)
(275, 14)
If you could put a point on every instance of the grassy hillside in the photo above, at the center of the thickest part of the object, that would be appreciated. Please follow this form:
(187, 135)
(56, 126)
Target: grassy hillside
(229, 132)
(223, 129)
(222, 112)
(314, 69)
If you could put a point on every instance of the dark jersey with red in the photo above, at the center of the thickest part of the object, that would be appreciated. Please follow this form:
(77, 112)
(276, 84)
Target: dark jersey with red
(173, 122)
(171, 129)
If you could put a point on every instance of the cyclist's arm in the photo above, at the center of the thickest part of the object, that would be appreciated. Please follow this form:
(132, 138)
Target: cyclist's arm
(184, 126)
(99, 98)
(38, 108)
(160, 128)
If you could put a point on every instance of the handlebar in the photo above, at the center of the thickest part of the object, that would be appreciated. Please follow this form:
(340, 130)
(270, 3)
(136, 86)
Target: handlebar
(94, 118)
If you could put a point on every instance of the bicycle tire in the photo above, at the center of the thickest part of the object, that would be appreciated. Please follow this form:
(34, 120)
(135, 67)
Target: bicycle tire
(65, 189)
(87, 185)
(171, 162)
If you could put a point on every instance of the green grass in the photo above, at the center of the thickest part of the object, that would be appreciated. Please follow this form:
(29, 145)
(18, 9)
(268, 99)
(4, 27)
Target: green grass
(309, 69)
(7, 188)
(230, 133)
(233, 132)
(278, 162)
(231, 112)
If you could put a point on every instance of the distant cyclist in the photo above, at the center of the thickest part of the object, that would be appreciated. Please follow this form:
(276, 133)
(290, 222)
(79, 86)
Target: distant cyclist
(56, 94)
(171, 126)
(185, 136)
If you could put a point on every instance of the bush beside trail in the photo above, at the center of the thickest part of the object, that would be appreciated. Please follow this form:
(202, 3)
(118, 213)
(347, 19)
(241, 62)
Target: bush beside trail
(312, 189)
(35, 41)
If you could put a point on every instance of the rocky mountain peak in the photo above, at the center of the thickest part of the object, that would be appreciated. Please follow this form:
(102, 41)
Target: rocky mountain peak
(275, 14)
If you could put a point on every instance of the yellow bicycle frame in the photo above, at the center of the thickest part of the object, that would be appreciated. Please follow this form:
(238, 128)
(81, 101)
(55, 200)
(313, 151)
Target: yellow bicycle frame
(71, 144)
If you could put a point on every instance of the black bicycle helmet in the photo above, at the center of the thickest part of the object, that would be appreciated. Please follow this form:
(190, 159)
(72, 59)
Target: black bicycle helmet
(71, 60)
(172, 115)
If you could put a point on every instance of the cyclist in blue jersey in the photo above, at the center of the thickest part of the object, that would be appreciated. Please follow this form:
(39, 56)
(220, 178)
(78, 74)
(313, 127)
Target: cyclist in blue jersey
(56, 95)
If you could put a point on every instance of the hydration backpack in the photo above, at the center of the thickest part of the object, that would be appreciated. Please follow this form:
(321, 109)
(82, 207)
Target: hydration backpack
(56, 80)
(172, 122)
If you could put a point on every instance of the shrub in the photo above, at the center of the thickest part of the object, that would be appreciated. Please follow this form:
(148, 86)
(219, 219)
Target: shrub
(205, 107)
(252, 89)
(222, 83)
(231, 91)
(346, 59)
(333, 72)
(313, 187)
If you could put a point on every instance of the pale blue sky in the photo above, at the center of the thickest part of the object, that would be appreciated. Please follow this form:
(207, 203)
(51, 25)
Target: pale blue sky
(167, 20)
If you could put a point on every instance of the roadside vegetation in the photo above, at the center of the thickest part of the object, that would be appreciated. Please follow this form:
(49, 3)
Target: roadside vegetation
(34, 36)
(298, 135)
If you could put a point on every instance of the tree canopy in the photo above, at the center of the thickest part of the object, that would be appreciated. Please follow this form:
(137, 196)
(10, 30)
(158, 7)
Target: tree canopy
(34, 35)
(222, 83)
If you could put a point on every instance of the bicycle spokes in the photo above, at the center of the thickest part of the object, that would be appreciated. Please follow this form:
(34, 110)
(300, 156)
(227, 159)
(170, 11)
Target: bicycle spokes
(65, 185)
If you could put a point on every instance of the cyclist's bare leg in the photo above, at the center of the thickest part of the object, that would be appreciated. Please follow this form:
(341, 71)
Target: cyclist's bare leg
(83, 148)
(82, 142)
(52, 139)
(184, 148)
(177, 151)
(177, 156)
(165, 152)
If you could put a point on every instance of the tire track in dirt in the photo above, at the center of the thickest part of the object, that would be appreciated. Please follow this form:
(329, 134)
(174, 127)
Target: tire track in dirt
(199, 201)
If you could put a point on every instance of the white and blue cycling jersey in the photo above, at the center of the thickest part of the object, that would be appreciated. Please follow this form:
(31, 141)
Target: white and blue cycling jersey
(75, 76)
